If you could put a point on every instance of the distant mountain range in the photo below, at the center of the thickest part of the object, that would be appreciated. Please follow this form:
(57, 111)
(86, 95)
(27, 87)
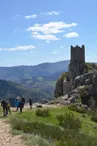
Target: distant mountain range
(23, 72)
(11, 90)
(37, 81)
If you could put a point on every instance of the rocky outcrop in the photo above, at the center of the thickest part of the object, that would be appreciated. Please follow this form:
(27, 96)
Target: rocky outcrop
(79, 83)
(84, 87)
(76, 68)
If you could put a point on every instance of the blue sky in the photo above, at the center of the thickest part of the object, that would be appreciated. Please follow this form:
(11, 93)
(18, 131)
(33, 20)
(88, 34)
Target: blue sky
(37, 31)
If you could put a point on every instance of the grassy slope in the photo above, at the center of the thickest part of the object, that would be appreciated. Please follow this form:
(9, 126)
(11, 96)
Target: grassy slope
(88, 127)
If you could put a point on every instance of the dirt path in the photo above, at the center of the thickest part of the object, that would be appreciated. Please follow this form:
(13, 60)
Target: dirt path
(6, 139)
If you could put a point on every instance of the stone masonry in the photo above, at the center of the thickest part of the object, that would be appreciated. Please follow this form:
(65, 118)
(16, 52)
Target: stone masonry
(76, 67)
(77, 62)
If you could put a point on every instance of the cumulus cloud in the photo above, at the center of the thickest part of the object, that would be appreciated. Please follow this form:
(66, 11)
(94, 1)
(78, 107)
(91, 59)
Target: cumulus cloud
(72, 35)
(31, 16)
(47, 31)
(18, 48)
(48, 37)
(52, 13)
(51, 27)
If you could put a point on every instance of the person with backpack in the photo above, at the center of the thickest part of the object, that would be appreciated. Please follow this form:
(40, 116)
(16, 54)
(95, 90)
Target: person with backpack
(8, 106)
(23, 101)
(30, 103)
(17, 103)
(5, 109)
(21, 105)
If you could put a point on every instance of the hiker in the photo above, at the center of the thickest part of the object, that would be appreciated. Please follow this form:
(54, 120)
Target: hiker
(21, 104)
(23, 101)
(4, 105)
(30, 103)
(8, 106)
(17, 103)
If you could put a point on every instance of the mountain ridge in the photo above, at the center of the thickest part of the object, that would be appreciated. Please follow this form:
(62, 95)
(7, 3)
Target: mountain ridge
(22, 72)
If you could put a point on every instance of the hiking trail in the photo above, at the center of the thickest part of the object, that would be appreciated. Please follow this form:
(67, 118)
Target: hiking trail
(6, 139)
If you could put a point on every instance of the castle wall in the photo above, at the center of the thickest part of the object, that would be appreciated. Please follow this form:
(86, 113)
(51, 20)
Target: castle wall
(77, 54)
(77, 62)
(76, 67)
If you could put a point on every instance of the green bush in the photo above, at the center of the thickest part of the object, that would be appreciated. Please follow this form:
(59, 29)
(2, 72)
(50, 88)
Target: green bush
(64, 137)
(84, 116)
(68, 121)
(42, 112)
(45, 130)
(94, 118)
(35, 140)
(79, 110)
(74, 138)
(90, 66)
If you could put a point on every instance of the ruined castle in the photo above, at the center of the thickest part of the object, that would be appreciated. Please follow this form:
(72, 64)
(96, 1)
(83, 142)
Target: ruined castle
(76, 66)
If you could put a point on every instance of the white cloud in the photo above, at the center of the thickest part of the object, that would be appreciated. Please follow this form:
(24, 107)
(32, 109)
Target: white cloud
(51, 27)
(52, 13)
(18, 48)
(48, 37)
(72, 35)
(47, 31)
(31, 16)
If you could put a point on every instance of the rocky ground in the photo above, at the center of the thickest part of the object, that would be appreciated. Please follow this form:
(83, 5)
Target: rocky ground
(6, 139)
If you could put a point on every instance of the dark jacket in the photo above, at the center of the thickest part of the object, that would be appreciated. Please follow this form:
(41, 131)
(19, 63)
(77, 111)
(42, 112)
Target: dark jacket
(4, 103)
(23, 99)
(30, 101)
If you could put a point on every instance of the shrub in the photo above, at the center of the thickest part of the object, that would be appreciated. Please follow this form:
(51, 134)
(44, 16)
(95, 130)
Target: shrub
(34, 140)
(42, 129)
(90, 66)
(94, 118)
(68, 121)
(64, 137)
(39, 106)
(74, 138)
(84, 116)
(77, 109)
(42, 113)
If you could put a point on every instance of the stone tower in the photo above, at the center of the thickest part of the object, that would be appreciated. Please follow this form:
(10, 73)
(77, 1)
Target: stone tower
(77, 62)
(76, 67)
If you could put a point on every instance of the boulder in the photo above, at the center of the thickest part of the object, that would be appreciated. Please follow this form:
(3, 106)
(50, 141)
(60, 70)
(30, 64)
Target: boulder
(73, 98)
(72, 93)
(87, 81)
(82, 81)
(77, 81)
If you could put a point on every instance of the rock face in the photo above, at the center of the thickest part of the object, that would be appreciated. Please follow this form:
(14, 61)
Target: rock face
(85, 82)
(80, 83)
(66, 87)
